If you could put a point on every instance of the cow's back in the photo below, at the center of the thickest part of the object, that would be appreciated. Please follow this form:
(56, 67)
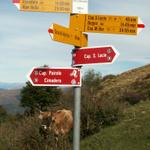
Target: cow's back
(63, 121)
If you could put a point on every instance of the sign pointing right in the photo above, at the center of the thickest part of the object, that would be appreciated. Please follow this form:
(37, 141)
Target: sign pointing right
(94, 55)
(130, 25)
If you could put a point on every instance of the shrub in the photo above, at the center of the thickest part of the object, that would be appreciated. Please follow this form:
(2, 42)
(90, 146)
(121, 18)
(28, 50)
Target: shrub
(24, 135)
(107, 77)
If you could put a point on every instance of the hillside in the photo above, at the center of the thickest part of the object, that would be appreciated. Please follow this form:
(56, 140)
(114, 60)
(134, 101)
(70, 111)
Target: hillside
(132, 133)
(129, 94)
(115, 115)
(134, 83)
(9, 99)
(126, 79)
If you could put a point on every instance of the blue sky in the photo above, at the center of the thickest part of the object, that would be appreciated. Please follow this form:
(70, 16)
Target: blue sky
(25, 42)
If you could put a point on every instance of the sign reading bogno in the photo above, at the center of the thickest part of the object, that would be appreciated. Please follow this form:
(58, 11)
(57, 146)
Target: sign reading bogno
(106, 23)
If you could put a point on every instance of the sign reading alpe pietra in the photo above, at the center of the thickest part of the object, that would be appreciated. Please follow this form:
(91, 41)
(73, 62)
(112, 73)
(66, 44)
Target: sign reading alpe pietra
(55, 77)
(64, 6)
(129, 25)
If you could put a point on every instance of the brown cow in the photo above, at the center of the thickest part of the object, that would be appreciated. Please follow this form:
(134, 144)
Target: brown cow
(59, 122)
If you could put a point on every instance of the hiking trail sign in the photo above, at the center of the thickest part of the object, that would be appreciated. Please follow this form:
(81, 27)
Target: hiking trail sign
(67, 35)
(44, 76)
(94, 55)
(129, 25)
(62, 6)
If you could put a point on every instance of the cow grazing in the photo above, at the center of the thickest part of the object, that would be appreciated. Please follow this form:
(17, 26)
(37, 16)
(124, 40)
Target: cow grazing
(59, 122)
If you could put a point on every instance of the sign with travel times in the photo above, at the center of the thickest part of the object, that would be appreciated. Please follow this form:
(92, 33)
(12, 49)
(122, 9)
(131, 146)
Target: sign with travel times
(129, 25)
(68, 36)
(64, 6)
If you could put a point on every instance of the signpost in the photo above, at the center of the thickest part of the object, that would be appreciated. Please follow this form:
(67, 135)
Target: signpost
(55, 77)
(94, 55)
(69, 36)
(130, 25)
(63, 6)
(80, 22)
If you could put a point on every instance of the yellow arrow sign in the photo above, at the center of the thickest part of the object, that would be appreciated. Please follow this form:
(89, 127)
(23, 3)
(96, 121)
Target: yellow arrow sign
(63, 6)
(105, 24)
(69, 36)
(46, 5)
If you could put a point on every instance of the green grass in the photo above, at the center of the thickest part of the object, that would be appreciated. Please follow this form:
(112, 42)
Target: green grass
(132, 133)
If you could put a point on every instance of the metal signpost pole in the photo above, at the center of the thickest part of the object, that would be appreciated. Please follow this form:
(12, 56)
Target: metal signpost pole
(76, 131)
(77, 108)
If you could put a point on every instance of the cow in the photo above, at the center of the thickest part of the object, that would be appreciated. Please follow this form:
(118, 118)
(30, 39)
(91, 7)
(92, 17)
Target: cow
(59, 122)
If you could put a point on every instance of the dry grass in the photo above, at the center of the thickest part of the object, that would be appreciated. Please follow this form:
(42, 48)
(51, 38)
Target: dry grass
(24, 135)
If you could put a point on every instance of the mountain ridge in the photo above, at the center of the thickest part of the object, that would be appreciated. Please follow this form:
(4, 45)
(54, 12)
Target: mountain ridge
(9, 86)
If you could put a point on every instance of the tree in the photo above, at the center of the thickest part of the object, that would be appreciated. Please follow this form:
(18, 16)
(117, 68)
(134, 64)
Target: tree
(39, 97)
(90, 88)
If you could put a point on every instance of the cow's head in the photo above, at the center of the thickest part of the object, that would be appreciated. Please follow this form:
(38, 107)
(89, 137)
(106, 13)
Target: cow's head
(44, 115)
(46, 119)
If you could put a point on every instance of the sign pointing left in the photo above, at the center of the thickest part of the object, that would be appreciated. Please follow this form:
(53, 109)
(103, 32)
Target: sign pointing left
(63, 6)
(69, 36)
(44, 76)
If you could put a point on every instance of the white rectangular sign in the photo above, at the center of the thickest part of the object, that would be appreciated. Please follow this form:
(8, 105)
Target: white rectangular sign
(80, 6)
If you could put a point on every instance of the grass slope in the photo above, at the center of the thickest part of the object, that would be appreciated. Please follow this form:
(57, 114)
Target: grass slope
(126, 79)
(132, 133)
(131, 86)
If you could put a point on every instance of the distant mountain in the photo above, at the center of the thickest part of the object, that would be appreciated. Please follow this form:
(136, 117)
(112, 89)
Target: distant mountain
(4, 85)
(10, 100)
(1, 89)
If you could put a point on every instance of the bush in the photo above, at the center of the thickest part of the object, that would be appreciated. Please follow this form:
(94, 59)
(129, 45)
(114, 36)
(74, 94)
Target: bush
(107, 77)
(110, 112)
(132, 97)
(97, 112)
(24, 135)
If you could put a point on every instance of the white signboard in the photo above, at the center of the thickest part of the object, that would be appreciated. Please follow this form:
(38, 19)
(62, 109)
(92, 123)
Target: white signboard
(80, 6)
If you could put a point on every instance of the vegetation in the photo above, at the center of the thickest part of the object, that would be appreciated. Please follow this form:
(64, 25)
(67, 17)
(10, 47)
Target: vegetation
(132, 133)
(39, 98)
(23, 134)
(114, 114)
(129, 87)
(91, 85)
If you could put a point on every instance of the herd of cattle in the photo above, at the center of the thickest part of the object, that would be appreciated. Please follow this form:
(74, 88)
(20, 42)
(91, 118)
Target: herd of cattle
(59, 122)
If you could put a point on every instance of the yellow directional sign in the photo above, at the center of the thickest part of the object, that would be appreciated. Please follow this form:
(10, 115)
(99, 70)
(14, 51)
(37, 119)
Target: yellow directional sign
(69, 36)
(46, 5)
(105, 24)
